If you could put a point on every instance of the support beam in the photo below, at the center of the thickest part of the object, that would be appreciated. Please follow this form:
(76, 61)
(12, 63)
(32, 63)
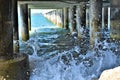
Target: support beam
(95, 21)
(6, 29)
(66, 23)
(15, 27)
(24, 16)
(81, 19)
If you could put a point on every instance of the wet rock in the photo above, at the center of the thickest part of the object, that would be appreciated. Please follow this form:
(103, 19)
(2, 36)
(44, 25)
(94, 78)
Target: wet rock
(111, 74)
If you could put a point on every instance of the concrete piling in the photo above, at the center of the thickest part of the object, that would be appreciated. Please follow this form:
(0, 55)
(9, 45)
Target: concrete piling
(62, 18)
(87, 17)
(66, 23)
(115, 23)
(15, 27)
(12, 66)
(81, 19)
(51, 16)
(6, 29)
(29, 19)
(15, 69)
(105, 17)
(59, 18)
(54, 13)
(54, 16)
(72, 19)
(95, 21)
(24, 17)
(105, 22)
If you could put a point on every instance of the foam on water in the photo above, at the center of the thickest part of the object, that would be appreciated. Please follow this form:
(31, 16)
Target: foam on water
(85, 67)
(64, 66)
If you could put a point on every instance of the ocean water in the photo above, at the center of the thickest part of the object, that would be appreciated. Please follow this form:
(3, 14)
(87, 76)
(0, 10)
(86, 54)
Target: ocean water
(38, 20)
(55, 55)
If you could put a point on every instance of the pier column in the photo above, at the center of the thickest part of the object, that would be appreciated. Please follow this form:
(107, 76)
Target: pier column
(59, 18)
(24, 17)
(66, 23)
(115, 23)
(72, 17)
(105, 17)
(15, 27)
(29, 19)
(95, 20)
(12, 66)
(57, 14)
(105, 22)
(50, 14)
(62, 18)
(6, 29)
(87, 16)
(54, 17)
(81, 19)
